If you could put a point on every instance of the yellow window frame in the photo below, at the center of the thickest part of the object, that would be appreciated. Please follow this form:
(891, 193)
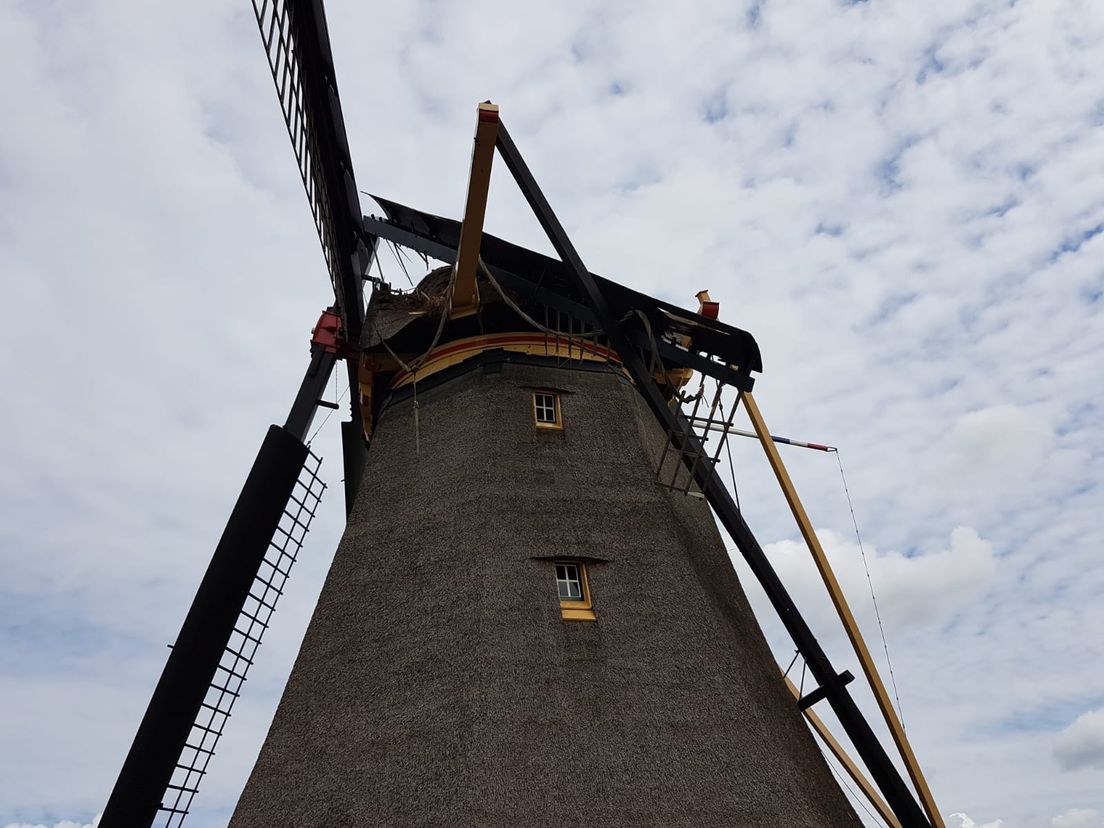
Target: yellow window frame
(577, 610)
(556, 426)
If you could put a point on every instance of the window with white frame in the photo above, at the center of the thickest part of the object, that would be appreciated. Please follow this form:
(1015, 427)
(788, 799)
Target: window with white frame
(546, 409)
(568, 582)
(573, 590)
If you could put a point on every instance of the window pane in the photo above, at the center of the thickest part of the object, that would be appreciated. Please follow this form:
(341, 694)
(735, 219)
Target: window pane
(545, 407)
(569, 585)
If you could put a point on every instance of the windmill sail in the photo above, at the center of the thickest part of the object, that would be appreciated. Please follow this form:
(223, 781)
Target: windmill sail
(208, 663)
(297, 45)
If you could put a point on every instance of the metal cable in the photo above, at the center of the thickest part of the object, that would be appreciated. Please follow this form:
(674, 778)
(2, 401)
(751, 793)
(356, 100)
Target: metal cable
(854, 796)
(326, 419)
(395, 252)
(731, 467)
(873, 598)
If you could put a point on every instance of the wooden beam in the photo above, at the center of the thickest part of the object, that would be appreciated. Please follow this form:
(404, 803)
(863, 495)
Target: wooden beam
(844, 611)
(853, 770)
(465, 292)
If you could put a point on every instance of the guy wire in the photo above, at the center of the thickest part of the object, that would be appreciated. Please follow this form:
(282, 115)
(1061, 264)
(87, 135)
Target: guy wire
(873, 598)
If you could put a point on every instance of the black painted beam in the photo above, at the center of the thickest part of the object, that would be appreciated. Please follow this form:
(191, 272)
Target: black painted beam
(194, 658)
(881, 768)
(671, 354)
(195, 655)
(728, 344)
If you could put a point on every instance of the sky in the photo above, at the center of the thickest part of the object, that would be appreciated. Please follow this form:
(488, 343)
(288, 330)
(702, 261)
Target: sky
(903, 202)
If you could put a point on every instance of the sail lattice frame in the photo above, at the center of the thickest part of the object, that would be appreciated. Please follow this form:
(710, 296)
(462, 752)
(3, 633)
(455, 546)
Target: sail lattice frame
(241, 650)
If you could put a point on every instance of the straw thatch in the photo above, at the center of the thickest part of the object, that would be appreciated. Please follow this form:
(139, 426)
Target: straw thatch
(437, 683)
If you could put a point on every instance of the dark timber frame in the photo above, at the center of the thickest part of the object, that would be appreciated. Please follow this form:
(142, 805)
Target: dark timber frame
(296, 41)
(682, 357)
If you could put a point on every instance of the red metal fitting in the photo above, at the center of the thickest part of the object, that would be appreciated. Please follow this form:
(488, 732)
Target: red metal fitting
(327, 334)
(710, 310)
(706, 306)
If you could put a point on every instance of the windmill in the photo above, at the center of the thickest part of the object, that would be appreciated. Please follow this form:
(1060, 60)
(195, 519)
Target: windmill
(531, 618)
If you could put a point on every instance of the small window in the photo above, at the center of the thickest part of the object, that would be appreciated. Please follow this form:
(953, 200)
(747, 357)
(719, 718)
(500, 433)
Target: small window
(546, 409)
(568, 583)
(573, 591)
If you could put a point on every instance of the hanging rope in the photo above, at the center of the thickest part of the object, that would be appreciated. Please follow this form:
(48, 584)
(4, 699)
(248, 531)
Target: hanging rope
(512, 305)
(416, 363)
(379, 268)
(873, 597)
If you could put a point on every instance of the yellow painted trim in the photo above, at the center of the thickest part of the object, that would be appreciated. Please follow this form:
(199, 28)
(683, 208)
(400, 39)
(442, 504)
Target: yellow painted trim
(578, 615)
(556, 426)
(843, 610)
(532, 344)
(578, 610)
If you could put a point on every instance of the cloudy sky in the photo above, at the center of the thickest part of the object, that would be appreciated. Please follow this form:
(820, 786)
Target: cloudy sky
(903, 201)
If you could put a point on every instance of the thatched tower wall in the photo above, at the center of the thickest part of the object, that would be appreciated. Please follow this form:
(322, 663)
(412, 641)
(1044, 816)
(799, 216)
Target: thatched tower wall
(438, 683)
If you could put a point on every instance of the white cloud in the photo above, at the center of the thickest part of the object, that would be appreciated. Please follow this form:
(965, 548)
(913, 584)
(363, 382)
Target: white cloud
(1078, 818)
(1081, 745)
(964, 821)
(920, 589)
(899, 199)
(65, 823)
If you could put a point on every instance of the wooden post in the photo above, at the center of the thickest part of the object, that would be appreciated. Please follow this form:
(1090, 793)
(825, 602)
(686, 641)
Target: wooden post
(845, 614)
(465, 293)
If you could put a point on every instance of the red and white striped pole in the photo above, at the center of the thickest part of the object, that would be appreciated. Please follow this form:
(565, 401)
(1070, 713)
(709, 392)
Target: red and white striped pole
(711, 425)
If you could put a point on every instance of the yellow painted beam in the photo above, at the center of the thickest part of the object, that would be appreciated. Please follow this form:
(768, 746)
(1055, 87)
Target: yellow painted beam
(465, 292)
(848, 763)
(844, 611)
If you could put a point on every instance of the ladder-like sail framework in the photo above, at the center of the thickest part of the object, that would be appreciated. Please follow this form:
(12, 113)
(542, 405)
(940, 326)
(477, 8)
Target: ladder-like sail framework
(297, 45)
(218, 640)
(241, 649)
(232, 609)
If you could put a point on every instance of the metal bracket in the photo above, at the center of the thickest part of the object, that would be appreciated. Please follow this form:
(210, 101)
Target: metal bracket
(327, 335)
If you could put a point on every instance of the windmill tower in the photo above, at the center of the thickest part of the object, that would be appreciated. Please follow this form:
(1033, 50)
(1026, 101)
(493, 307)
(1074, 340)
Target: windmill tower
(520, 626)
(531, 617)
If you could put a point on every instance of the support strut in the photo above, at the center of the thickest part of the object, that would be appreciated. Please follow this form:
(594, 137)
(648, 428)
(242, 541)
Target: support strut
(673, 422)
(851, 626)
